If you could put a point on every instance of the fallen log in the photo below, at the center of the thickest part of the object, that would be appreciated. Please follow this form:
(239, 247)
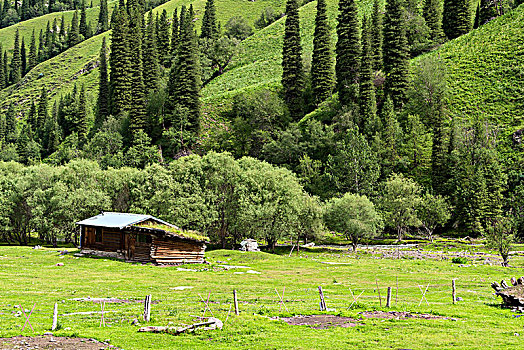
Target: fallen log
(211, 324)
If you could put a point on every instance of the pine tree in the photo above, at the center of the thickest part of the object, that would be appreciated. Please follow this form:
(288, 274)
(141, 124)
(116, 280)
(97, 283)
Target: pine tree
(209, 22)
(62, 33)
(292, 69)
(3, 83)
(137, 112)
(488, 11)
(3, 134)
(22, 144)
(82, 26)
(41, 47)
(377, 36)
(32, 59)
(119, 63)
(163, 39)
(184, 79)
(102, 111)
(16, 63)
(396, 53)
(433, 18)
(456, 19)
(74, 31)
(25, 10)
(6, 70)
(32, 117)
(368, 105)
(41, 113)
(476, 23)
(322, 68)
(81, 112)
(103, 15)
(348, 52)
(10, 121)
(23, 58)
(151, 68)
(52, 132)
(174, 33)
(391, 134)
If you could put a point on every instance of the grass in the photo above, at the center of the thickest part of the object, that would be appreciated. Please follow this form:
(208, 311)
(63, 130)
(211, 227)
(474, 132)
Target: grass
(31, 276)
(176, 231)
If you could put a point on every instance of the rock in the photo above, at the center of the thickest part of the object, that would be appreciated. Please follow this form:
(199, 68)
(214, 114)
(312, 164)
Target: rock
(520, 281)
(309, 245)
(460, 299)
(135, 322)
(503, 284)
(516, 334)
(60, 264)
(249, 245)
(513, 281)
(37, 247)
(48, 333)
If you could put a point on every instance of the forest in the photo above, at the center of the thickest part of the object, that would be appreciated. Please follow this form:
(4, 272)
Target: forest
(358, 138)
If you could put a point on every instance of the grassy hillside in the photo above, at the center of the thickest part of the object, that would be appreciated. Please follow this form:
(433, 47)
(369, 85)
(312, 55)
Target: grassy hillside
(25, 28)
(486, 71)
(74, 65)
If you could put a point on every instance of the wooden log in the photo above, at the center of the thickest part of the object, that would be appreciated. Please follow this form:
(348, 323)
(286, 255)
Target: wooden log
(513, 281)
(211, 324)
(453, 291)
(147, 308)
(388, 298)
(322, 300)
(503, 284)
(55, 317)
(520, 281)
(236, 301)
(496, 287)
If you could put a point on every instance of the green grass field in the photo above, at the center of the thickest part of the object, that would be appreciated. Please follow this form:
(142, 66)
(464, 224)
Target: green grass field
(31, 276)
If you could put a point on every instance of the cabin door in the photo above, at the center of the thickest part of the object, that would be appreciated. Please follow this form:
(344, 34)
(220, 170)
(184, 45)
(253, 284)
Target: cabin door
(131, 247)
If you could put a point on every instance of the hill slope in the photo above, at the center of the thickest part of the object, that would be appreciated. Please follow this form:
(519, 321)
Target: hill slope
(78, 64)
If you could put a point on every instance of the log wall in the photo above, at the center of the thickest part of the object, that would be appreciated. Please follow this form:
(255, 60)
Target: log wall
(177, 251)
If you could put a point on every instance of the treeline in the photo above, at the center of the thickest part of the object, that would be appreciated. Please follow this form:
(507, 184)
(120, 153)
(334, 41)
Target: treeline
(224, 198)
(12, 12)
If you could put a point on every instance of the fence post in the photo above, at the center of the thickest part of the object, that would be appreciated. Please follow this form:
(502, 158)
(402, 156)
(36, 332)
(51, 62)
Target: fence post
(147, 308)
(453, 291)
(378, 290)
(388, 299)
(236, 301)
(55, 317)
(322, 301)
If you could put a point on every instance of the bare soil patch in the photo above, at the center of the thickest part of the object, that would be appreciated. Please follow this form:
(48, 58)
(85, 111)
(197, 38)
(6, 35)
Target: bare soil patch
(52, 343)
(322, 321)
(400, 315)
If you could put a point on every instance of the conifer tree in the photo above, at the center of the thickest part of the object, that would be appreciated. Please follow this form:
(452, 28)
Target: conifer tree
(25, 10)
(32, 117)
(476, 23)
(119, 63)
(32, 58)
(368, 105)
(22, 144)
(174, 33)
(103, 15)
(23, 58)
(16, 63)
(322, 68)
(3, 83)
(2, 128)
(6, 70)
(391, 134)
(137, 112)
(41, 113)
(377, 36)
(209, 22)
(102, 111)
(456, 19)
(488, 11)
(433, 18)
(10, 121)
(348, 52)
(52, 132)
(163, 39)
(292, 68)
(62, 33)
(151, 69)
(74, 31)
(396, 53)
(82, 26)
(41, 47)
(81, 112)
(184, 79)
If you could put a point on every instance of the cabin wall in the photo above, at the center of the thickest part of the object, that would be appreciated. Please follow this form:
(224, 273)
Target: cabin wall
(177, 251)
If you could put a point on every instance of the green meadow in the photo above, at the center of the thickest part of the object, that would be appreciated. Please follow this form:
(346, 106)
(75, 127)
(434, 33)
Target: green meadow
(31, 277)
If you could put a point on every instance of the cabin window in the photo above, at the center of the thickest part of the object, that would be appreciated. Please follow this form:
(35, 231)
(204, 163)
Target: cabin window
(144, 238)
(98, 235)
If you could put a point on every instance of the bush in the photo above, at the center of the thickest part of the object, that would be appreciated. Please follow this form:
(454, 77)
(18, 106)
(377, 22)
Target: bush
(459, 260)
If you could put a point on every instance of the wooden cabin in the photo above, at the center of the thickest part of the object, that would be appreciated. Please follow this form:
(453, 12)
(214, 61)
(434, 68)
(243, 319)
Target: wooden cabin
(138, 237)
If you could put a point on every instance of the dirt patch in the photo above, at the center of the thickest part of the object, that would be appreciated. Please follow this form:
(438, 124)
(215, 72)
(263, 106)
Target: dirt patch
(400, 315)
(52, 343)
(113, 300)
(322, 321)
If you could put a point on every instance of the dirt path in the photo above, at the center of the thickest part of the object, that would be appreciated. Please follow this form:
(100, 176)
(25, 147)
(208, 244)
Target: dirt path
(49, 342)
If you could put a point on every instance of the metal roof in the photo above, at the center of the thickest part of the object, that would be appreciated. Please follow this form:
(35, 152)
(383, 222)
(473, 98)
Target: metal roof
(118, 220)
